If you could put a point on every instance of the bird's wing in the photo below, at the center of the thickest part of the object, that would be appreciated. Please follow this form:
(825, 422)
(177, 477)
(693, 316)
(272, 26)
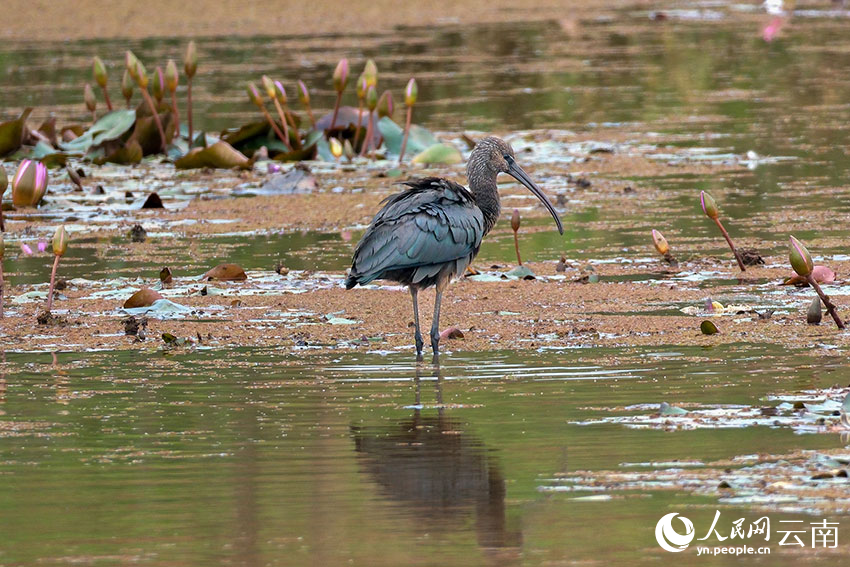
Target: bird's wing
(434, 222)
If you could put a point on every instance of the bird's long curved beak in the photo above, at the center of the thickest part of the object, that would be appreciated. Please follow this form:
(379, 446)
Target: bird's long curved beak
(518, 173)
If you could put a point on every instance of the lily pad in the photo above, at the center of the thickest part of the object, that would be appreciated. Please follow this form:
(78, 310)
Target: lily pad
(226, 272)
(145, 297)
(161, 308)
(522, 273)
(12, 133)
(128, 154)
(49, 156)
(110, 126)
(419, 139)
(667, 409)
(220, 155)
(439, 154)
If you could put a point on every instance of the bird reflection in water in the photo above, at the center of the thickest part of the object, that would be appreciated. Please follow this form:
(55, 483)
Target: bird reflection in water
(429, 464)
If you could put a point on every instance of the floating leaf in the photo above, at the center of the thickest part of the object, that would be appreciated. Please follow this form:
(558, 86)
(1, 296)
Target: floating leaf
(439, 154)
(111, 126)
(145, 297)
(451, 333)
(821, 274)
(418, 140)
(225, 272)
(48, 155)
(708, 328)
(667, 409)
(12, 133)
(128, 154)
(219, 155)
(522, 273)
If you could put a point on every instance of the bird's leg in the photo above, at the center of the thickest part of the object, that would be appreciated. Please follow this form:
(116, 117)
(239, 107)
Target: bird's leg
(435, 323)
(418, 334)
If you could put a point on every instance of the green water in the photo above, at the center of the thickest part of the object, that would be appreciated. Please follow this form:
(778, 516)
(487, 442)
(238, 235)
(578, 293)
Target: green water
(273, 458)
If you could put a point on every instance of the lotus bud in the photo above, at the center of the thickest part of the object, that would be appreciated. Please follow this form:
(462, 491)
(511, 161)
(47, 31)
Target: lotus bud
(411, 92)
(660, 242)
(268, 84)
(130, 61)
(172, 76)
(158, 86)
(141, 76)
(800, 258)
(515, 220)
(709, 207)
(348, 149)
(362, 87)
(385, 104)
(336, 147)
(303, 93)
(254, 94)
(280, 92)
(814, 314)
(60, 241)
(26, 249)
(127, 85)
(372, 98)
(190, 62)
(88, 97)
(99, 71)
(4, 181)
(29, 183)
(340, 76)
(371, 73)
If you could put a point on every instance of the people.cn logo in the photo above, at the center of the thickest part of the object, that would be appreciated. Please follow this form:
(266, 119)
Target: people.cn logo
(671, 540)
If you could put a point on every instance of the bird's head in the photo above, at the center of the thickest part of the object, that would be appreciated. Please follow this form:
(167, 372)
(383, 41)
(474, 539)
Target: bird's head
(493, 156)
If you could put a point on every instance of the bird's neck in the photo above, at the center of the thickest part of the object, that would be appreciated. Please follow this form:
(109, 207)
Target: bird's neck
(486, 194)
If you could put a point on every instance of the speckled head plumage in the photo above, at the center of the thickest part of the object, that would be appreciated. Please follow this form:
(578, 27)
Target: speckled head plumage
(490, 157)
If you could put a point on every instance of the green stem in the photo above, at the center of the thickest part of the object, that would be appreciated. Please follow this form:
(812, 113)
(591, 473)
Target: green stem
(52, 282)
(176, 114)
(189, 109)
(146, 95)
(516, 246)
(336, 111)
(106, 98)
(732, 246)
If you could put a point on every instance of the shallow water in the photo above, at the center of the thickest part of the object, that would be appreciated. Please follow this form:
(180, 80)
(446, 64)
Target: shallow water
(287, 459)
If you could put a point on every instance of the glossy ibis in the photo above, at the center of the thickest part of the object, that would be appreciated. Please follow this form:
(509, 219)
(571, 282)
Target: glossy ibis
(430, 232)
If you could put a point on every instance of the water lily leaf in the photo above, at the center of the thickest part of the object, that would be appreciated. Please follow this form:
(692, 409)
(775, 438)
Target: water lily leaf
(177, 148)
(418, 140)
(821, 274)
(111, 126)
(439, 154)
(300, 154)
(145, 297)
(237, 137)
(522, 273)
(48, 130)
(312, 138)
(146, 132)
(219, 155)
(667, 409)
(48, 155)
(224, 272)
(707, 327)
(129, 153)
(334, 320)
(12, 133)
(161, 308)
(451, 333)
